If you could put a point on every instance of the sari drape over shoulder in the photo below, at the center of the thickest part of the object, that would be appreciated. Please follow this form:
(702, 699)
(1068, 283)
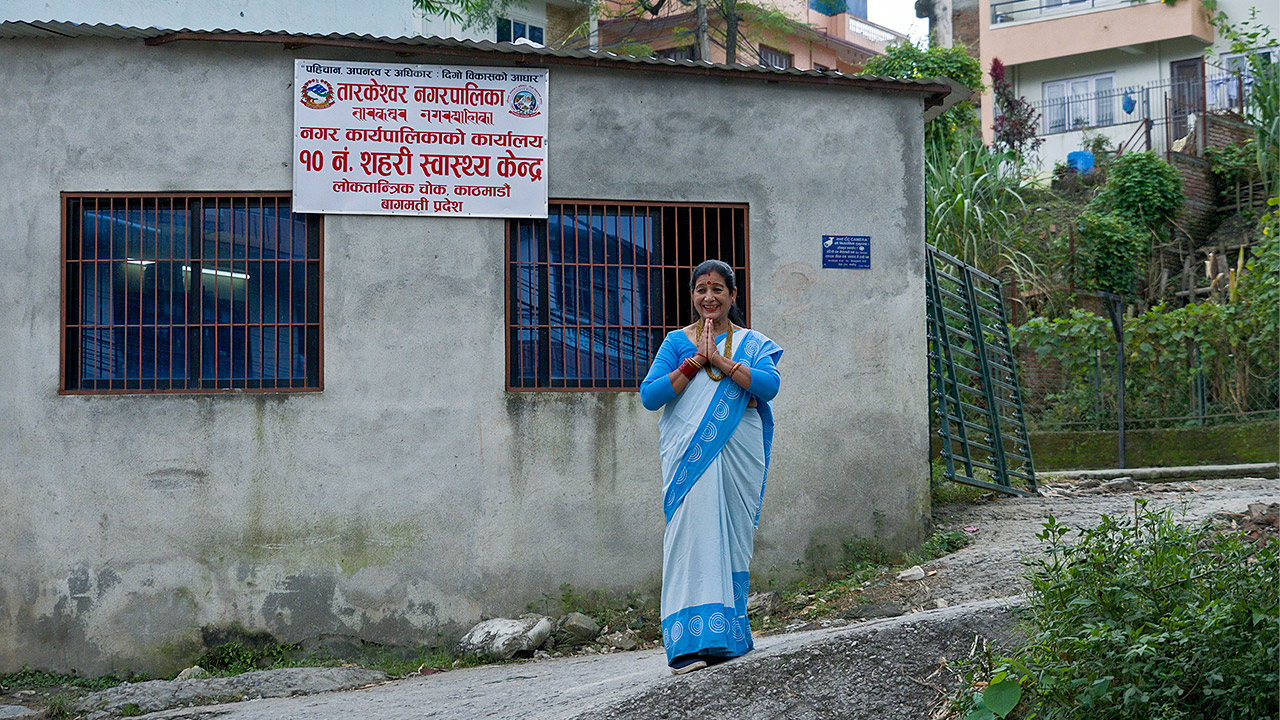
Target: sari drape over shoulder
(715, 458)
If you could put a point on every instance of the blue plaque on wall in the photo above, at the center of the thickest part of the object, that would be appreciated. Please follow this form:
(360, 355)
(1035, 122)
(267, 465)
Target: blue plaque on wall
(848, 252)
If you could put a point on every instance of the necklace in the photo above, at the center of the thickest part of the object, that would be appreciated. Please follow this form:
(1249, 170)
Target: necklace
(728, 351)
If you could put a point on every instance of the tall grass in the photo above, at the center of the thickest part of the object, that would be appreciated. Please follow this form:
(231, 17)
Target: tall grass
(972, 195)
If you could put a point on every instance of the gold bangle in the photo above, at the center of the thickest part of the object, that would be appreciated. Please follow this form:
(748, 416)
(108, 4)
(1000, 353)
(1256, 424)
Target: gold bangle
(735, 368)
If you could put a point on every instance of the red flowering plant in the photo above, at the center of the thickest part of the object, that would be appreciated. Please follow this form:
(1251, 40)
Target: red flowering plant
(1016, 119)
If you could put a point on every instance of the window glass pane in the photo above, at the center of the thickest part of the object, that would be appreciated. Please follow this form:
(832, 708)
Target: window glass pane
(172, 292)
(535, 34)
(1105, 101)
(518, 30)
(504, 30)
(600, 310)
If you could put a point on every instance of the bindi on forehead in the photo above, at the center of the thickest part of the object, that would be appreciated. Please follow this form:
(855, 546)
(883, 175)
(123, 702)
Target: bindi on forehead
(714, 279)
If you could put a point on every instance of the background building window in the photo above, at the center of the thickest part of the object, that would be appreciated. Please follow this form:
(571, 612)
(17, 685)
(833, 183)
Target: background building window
(773, 57)
(684, 52)
(190, 293)
(1077, 103)
(593, 289)
(512, 30)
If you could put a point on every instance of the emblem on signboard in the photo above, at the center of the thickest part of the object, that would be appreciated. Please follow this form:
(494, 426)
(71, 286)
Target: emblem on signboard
(317, 94)
(524, 101)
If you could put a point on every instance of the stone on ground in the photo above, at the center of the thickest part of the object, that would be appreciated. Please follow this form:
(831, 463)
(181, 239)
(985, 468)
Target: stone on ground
(504, 638)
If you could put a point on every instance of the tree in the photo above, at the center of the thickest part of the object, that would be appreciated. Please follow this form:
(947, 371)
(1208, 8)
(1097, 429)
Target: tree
(905, 60)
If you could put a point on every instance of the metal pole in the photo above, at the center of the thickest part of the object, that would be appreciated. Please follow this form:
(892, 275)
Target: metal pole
(1115, 308)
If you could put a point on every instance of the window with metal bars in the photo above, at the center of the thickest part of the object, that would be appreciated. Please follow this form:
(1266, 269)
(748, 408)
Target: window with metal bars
(190, 293)
(593, 289)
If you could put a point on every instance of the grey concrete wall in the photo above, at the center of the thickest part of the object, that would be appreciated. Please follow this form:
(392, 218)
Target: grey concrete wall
(415, 495)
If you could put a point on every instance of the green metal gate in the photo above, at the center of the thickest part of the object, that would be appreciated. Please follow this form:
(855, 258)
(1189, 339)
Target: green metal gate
(974, 379)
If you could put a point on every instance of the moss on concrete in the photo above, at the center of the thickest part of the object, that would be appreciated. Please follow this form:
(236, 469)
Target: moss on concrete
(1217, 445)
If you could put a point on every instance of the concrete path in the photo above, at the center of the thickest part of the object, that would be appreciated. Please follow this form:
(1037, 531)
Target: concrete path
(889, 669)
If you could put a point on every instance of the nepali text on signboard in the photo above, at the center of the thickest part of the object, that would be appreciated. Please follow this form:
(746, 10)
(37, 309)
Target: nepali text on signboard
(392, 139)
(849, 252)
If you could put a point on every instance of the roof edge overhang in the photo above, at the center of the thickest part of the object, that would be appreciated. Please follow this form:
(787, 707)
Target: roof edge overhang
(938, 92)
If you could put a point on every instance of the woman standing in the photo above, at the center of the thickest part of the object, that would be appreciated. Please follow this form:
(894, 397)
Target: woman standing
(715, 379)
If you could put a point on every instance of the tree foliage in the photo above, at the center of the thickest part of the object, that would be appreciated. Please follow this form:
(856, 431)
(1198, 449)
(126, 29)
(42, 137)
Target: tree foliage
(905, 60)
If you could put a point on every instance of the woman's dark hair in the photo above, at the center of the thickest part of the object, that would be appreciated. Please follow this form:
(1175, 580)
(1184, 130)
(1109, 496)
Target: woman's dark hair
(730, 282)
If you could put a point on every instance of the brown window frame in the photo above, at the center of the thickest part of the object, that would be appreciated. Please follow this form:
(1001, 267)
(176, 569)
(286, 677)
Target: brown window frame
(276, 347)
(684, 234)
(767, 55)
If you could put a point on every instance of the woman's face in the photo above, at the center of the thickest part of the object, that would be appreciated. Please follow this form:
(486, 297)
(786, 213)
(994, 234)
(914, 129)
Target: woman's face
(711, 296)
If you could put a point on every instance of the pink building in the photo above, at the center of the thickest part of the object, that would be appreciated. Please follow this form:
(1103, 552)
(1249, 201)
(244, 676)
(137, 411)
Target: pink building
(816, 35)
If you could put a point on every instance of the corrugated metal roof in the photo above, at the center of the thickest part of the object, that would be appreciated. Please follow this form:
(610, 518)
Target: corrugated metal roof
(942, 91)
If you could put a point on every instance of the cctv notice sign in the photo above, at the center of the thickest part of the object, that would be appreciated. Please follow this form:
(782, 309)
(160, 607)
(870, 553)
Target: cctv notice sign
(443, 140)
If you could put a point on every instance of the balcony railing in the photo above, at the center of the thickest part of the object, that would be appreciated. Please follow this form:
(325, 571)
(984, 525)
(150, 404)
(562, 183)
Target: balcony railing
(874, 33)
(1227, 91)
(1015, 10)
(1166, 105)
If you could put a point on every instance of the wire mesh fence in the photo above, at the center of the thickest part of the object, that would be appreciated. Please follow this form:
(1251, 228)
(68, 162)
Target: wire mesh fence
(1192, 384)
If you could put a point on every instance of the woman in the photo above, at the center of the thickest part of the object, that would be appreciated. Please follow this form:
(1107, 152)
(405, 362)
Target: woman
(715, 379)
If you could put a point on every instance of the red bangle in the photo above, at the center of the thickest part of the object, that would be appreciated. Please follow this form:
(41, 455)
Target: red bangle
(688, 368)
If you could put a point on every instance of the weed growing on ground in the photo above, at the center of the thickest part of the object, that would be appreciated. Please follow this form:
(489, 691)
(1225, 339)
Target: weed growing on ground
(1146, 617)
(234, 658)
(28, 679)
(59, 705)
(865, 562)
(630, 612)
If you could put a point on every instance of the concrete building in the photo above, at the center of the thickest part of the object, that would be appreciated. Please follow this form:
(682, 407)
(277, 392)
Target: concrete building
(363, 441)
(818, 34)
(1107, 67)
(551, 22)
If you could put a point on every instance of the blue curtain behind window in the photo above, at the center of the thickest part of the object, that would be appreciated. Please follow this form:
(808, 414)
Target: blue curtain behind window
(168, 294)
(589, 307)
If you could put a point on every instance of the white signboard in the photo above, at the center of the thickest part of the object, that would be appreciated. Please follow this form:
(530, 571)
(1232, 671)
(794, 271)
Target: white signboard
(392, 139)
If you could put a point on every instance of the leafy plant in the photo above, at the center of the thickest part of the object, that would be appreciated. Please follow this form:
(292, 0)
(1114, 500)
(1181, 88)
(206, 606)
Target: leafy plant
(1016, 119)
(1147, 617)
(971, 204)
(1113, 249)
(1142, 616)
(1142, 189)
(1248, 38)
(905, 60)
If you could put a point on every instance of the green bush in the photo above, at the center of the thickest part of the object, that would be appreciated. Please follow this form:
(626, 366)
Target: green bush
(1113, 249)
(1141, 188)
(1228, 352)
(1146, 617)
(1141, 617)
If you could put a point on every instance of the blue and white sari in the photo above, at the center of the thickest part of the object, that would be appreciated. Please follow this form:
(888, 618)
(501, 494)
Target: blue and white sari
(715, 457)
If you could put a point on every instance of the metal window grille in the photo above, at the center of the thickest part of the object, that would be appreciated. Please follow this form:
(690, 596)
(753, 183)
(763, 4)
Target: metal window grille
(773, 57)
(593, 289)
(190, 293)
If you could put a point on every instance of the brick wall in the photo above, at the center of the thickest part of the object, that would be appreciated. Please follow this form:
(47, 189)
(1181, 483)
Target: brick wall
(562, 22)
(1196, 217)
(964, 29)
(1223, 129)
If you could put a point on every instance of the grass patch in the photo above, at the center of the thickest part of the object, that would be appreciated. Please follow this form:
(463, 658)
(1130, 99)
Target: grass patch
(938, 544)
(28, 679)
(59, 705)
(865, 565)
(1141, 617)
